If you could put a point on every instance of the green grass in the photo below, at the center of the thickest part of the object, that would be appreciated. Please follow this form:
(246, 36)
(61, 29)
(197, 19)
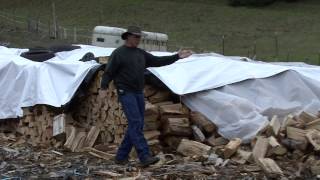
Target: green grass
(198, 25)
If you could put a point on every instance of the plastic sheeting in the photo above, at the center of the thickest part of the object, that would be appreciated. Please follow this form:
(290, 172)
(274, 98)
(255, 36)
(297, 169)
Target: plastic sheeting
(208, 71)
(26, 83)
(242, 109)
(240, 97)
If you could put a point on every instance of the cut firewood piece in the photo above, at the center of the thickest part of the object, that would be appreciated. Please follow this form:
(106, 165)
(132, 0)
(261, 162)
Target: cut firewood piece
(151, 118)
(307, 117)
(260, 148)
(163, 103)
(242, 156)
(213, 141)
(27, 111)
(70, 137)
(177, 126)
(151, 125)
(151, 134)
(107, 173)
(193, 148)
(296, 134)
(160, 96)
(151, 109)
(270, 167)
(59, 126)
(289, 121)
(197, 134)
(99, 154)
(274, 126)
(313, 125)
(202, 122)
(172, 141)
(275, 147)
(153, 142)
(78, 142)
(149, 90)
(314, 138)
(231, 147)
(293, 144)
(172, 109)
(92, 136)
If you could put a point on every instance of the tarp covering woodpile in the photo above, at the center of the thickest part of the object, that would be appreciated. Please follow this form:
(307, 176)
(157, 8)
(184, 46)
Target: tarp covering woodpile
(238, 96)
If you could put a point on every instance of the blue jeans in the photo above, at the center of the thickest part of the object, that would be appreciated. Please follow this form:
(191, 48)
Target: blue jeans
(133, 106)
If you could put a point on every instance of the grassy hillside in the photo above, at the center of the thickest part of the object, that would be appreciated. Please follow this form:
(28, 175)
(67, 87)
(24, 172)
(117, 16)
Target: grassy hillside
(282, 31)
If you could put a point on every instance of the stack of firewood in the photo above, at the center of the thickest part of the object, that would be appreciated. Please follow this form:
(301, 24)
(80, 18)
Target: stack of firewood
(103, 111)
(37, 124)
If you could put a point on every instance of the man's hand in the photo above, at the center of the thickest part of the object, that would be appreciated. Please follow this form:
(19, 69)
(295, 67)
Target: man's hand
(184, 54)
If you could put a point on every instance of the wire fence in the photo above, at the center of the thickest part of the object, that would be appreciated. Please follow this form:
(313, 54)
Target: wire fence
(47, 29)
(270, 45)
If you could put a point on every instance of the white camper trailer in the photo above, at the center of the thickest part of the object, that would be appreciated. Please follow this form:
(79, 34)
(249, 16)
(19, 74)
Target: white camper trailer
(105, 36)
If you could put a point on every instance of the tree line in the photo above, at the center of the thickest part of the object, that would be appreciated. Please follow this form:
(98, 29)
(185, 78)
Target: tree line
(254, 2)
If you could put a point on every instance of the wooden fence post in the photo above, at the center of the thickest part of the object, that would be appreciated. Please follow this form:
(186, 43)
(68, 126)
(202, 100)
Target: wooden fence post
(276, 45)
(54, 20)
(223, 44)
(75, 34)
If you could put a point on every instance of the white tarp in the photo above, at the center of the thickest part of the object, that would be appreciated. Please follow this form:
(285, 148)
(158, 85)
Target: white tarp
(27, 83)
(240, 97)
(206, 71)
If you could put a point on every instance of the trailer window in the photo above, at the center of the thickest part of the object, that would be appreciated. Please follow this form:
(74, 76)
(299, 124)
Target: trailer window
(100, 39)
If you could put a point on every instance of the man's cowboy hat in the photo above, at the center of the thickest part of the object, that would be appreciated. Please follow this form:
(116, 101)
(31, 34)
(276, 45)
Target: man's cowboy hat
(132, 30)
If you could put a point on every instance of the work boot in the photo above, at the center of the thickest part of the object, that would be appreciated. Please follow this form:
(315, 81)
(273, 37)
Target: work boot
(121, 162)
(149, 161)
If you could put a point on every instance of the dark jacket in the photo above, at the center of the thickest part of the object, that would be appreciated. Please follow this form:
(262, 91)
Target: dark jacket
(126, 67)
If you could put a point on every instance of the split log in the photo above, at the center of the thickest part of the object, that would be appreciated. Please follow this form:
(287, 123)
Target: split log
(275, 147)
(172, 141)
(92, 136)
(201, 121)
(70, 137)
(289, 121)
(153, 142)
(193, 148)
(151, 134)
(151, 125)
(197, 134)
(177, 126)
(173, 109)
(213, 141)
(274, 126)
(159, 97)
(313, 125)
(163, 103)
(298, 135)
(78, 142)
(314, 138)
(149, 90)
(231, 147)
(99, 154)
(307, 117)
(260, 149)
(270, 167)
(59, 125)
(242, 156)
(151, 109)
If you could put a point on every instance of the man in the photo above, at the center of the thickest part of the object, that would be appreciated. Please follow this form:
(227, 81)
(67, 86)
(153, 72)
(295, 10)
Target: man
(126, 67)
